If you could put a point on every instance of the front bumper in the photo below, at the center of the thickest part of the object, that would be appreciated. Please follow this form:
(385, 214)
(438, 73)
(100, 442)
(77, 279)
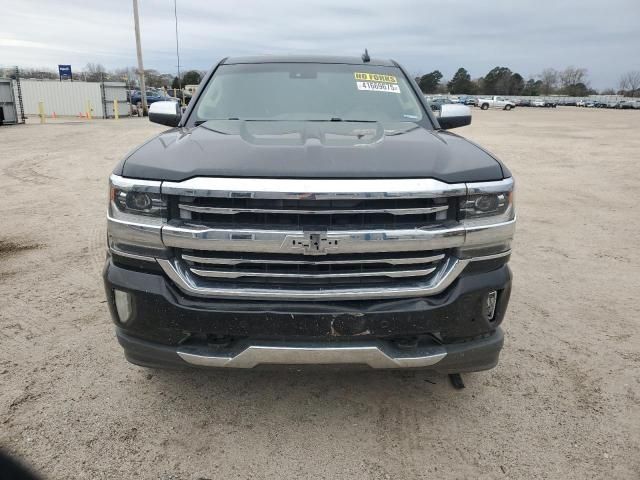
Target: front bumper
(476, 355)
(446, 332)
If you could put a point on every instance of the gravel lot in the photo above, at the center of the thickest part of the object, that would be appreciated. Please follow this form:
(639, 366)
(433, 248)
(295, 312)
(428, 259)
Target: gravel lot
(563, 403)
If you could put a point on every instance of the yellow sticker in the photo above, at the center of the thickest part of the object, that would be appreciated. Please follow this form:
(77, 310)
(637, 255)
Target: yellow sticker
(375, 77)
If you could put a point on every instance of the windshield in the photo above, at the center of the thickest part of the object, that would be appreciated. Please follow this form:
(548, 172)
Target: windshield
(308, 91)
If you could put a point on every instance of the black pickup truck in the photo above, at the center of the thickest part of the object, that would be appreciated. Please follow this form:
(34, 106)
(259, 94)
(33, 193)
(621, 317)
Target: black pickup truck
(310, 210)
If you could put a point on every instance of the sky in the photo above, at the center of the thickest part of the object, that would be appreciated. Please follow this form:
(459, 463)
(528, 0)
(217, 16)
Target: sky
(524, 35)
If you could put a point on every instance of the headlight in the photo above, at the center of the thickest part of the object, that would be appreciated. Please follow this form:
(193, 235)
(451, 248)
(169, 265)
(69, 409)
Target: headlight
(488, 202)
(487, 214)
(141, 203)
(486, 205)
(137, 212)
(136, 197)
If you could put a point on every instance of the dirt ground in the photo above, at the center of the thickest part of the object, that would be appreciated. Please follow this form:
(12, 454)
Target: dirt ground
(564, 402)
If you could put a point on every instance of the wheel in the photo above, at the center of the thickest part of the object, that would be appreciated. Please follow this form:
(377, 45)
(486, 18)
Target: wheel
(507, 107)
(484, 106)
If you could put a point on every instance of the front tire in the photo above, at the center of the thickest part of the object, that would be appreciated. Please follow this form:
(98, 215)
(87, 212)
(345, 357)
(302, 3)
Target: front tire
(507, 107)
(484, 106)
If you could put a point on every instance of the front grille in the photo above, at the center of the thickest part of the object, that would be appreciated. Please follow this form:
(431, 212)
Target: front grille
(311, 271)
(316, 214)
(312, 239)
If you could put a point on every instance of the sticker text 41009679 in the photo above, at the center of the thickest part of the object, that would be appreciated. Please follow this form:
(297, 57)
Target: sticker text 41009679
(376, 82)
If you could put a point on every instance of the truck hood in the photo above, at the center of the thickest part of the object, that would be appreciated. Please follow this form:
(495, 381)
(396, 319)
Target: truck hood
(289, 149)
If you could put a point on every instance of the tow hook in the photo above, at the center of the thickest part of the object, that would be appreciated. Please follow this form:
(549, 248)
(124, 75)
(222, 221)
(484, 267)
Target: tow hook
(456, 381)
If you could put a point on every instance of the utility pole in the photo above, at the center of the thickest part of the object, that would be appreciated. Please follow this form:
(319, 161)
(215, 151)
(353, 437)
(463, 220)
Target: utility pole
(143, 90)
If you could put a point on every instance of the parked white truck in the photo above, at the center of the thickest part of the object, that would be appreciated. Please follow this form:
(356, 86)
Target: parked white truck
(495, 102)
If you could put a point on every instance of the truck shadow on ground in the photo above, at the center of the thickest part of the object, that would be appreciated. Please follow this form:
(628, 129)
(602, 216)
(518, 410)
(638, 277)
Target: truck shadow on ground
(376, 422)
(292, 409)
(308, 384)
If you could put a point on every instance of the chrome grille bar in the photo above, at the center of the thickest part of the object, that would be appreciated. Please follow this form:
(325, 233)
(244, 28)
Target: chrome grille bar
(234, 211)
(180, 274)
(198, 237)
(313, 189)
(266, 261)
(375, 273)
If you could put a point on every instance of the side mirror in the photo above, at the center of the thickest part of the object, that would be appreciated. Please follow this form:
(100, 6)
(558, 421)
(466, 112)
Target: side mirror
(165, 113)
(452, 116)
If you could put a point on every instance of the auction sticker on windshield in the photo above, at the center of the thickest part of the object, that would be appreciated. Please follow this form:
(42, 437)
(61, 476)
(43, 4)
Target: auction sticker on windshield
(376, 82)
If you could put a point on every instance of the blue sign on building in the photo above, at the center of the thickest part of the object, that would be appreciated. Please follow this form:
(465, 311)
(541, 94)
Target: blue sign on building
(65, 72)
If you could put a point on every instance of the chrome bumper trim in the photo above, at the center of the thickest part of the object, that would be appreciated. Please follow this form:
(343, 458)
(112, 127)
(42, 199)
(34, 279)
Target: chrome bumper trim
(180, 274)
(373, 354)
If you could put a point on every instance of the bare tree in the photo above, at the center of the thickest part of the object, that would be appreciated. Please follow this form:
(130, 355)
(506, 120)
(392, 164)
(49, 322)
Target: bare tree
(93, 72)
(574, 81)
(155, 79)
(630, 83)
(39, 73)
(549, 80)
(126, 74)
(633, 79)
(572, 76)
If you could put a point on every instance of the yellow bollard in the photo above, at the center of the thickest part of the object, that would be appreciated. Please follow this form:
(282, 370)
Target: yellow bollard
(116, 113)
(89, 116)
(41, 111)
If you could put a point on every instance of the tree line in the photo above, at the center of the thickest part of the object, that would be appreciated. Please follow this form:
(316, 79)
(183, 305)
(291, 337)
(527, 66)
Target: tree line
(572, 81)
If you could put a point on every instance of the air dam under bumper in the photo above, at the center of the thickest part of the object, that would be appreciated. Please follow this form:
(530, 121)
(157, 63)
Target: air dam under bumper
(481, 354)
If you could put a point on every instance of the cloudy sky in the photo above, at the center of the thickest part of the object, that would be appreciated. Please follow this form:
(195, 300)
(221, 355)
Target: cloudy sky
(524, 35)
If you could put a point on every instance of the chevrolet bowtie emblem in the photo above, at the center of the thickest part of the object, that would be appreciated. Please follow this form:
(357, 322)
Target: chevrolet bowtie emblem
(311, 243)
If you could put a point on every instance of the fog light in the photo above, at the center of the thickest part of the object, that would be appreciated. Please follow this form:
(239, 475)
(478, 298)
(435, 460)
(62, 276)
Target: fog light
(123, 305)
(490, 304)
